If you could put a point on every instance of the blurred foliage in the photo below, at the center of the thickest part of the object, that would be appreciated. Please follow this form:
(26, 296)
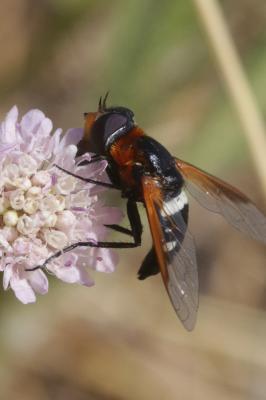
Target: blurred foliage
(121, 340)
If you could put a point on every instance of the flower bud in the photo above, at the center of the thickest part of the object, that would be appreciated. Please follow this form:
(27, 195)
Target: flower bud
(55, 239)
(10, 218)
(17, 199)
(27, 165)
(65, 220)
(49, 203)
(41, 178)
(27, 225)
(46, 219)
(31, 205)
(34, 191)
(11, 171)
(23, 183)
(66, 184)
(50, 221)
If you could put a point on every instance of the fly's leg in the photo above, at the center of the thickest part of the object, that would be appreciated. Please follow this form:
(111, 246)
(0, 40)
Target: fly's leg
(136, 232)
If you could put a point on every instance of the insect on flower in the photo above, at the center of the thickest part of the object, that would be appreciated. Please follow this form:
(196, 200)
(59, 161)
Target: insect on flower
(144, 171)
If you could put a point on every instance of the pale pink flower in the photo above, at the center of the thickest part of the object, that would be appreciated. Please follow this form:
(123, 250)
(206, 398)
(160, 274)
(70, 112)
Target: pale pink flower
(42, 209)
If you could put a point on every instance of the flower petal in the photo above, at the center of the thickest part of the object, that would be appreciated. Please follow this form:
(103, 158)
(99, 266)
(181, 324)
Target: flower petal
(67, 274)
(84, 277)
(31, 121)
(12, 115)
(72, 136)
(106, 260)
(23, 291)
(38, 281)
(108, 215)
(8, 126)
(45, 127)
(7, 276)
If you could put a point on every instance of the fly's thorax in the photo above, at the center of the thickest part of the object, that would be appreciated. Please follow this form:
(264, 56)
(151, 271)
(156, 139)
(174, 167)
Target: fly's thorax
(123, 156)
(124, 150)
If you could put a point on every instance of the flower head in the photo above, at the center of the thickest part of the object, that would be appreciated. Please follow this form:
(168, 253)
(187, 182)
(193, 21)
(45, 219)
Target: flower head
(43, 209)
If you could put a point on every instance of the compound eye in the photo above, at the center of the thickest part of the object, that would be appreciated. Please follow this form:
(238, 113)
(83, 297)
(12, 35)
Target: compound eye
(105, 127)
(113, 123)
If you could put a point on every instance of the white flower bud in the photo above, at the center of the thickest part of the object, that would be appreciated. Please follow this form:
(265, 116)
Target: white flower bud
(34, 191)
(17, 199)
(27, 165)
(66, 184)
(55, 239)
(27, 225)
(46, 219)
(49, 203)
(10, 218)
(11, 171)
(65, 220)
(31, 205)
(50, 221)
(41, 178)
(23, 183)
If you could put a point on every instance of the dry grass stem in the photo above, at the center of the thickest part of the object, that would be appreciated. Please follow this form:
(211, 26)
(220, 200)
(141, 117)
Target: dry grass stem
(236, 82)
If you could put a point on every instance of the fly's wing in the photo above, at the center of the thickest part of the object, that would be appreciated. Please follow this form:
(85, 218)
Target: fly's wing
(222, 198)
(174, 248)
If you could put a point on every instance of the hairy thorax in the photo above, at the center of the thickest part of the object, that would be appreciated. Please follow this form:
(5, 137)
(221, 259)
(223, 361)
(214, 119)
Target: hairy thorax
(126, 156)
(135, 155)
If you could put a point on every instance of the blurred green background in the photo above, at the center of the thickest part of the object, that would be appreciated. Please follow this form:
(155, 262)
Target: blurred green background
(121, 339)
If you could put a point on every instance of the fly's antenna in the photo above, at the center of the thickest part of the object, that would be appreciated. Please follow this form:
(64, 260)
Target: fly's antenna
(104, 100)
(100, 105)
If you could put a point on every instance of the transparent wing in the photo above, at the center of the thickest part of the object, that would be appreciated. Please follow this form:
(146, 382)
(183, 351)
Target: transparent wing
(222, 198)
(175, 251)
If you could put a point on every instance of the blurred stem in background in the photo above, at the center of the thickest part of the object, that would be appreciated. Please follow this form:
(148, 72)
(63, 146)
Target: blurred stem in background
(236, 82)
